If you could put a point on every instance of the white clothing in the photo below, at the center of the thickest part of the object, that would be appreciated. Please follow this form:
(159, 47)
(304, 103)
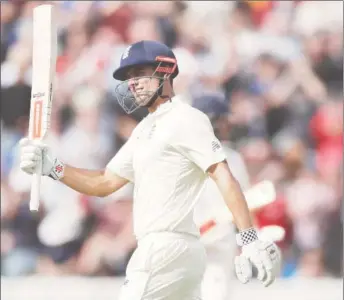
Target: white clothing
(166, 157)
(219, 268)
(165, 266)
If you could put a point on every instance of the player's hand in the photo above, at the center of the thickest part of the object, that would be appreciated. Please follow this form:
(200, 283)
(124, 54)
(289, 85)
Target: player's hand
(263, 255)
(34, 152)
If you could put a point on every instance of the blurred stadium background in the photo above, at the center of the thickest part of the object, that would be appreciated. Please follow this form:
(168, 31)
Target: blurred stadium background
(279, 65)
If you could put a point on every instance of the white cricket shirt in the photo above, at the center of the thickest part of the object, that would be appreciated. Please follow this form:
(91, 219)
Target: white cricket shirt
(167, 157)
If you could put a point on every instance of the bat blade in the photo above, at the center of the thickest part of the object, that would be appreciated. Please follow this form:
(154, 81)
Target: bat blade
(258, 196)
(43, 72)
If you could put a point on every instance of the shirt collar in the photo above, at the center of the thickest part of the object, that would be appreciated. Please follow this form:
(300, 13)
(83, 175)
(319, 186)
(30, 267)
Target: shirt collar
(163, 108)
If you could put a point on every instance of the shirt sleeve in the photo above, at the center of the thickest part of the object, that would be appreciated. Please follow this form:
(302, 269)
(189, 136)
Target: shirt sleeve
(122, 163)
(196, 140)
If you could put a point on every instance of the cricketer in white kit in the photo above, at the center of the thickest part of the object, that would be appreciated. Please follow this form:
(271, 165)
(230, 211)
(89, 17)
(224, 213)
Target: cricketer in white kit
(168, 157)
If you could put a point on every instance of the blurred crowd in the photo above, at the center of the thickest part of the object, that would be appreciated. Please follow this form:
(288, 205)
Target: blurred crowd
(279, 65)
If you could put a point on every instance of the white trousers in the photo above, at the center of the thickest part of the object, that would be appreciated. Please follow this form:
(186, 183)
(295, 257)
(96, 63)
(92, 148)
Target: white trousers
(165, 266)
(219, 272)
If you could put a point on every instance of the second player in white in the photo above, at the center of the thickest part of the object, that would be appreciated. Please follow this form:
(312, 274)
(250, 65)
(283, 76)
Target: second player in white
(220, 247)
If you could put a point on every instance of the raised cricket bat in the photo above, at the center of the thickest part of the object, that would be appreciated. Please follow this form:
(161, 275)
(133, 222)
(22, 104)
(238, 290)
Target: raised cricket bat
(258, 196)
(43, 71)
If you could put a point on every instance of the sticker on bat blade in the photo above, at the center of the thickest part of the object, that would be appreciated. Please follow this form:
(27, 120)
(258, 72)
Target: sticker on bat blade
(37, 119)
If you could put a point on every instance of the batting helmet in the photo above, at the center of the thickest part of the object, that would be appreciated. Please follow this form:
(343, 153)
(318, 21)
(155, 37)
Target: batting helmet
(141, 54)
(147, 53)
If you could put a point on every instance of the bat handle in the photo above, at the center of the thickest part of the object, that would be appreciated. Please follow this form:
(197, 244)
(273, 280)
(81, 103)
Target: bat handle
(36, 187)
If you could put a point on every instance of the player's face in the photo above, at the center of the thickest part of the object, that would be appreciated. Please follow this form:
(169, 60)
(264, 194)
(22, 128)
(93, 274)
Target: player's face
(142, 84)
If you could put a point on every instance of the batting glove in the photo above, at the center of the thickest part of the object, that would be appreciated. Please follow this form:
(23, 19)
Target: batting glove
(243, 269)
(33, 152)
(263, 255)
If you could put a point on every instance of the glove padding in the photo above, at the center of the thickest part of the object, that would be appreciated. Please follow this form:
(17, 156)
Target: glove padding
(265, 257)
(243, 268)
(32, 152)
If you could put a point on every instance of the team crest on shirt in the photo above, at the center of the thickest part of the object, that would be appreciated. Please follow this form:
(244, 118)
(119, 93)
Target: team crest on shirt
(151, 131)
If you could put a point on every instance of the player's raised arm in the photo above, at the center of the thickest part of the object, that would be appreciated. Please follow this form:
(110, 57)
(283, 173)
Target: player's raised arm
(98, 183)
